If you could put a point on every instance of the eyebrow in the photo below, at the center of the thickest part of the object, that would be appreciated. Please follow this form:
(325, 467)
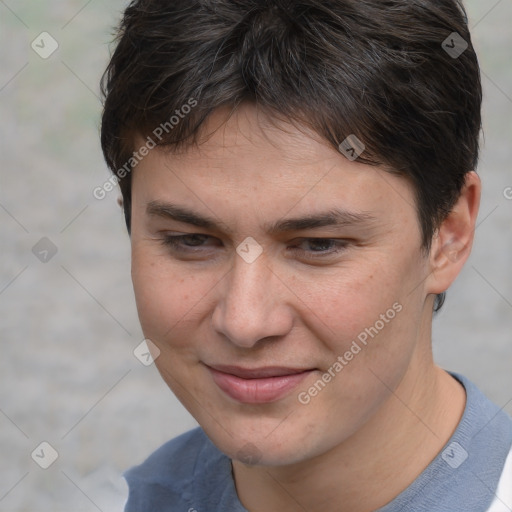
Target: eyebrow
(332, 218)
(180, 214)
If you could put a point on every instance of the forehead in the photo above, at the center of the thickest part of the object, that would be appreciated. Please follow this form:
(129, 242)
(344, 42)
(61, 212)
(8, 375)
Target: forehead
(251, 163)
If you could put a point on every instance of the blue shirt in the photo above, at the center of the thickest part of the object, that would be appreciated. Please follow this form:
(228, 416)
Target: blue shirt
(189, 473)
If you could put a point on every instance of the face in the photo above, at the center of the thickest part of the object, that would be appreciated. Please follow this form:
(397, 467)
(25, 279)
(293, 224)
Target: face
(281, 282)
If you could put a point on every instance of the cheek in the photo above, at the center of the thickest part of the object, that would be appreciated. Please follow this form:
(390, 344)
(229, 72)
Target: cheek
(367, 315)
(366, 356)
(341, 304)
(167, 297)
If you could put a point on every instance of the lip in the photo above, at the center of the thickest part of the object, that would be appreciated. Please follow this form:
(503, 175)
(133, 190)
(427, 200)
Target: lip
(257, 385)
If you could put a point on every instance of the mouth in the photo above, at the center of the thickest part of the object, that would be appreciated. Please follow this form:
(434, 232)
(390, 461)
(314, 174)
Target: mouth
(257, 385)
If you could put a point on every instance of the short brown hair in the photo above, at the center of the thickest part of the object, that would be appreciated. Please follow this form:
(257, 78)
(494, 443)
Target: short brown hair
(377, 69)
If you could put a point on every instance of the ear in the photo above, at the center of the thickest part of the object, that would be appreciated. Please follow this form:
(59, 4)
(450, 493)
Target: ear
(451, 245)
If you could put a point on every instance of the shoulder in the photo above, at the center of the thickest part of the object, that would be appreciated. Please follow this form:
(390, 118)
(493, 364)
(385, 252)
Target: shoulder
(471, 469)
(503, 499)
(176, 458)
(169, 476)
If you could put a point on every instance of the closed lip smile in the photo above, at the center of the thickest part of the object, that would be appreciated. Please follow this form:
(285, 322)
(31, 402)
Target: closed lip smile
(257, 385)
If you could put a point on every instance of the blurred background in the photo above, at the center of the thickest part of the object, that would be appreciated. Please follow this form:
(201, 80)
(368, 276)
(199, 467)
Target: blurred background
(68, 325)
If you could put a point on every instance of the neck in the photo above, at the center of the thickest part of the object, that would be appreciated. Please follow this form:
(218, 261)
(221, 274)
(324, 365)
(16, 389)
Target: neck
(373, 466)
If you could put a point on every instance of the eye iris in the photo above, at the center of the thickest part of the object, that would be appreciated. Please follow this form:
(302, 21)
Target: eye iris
(194, 240)
(320, 245)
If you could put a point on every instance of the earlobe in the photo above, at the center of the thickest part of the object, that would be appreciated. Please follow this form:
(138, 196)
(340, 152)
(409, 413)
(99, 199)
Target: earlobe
(452, 243)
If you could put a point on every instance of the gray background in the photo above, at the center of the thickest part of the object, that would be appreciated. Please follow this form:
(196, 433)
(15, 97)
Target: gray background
(69, 326)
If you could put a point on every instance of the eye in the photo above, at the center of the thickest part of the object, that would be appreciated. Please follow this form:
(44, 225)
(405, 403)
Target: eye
(320, 244)
(317, 248)
(190, 242)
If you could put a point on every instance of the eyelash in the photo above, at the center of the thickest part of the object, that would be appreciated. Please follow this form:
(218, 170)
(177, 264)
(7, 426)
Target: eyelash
(175, 242)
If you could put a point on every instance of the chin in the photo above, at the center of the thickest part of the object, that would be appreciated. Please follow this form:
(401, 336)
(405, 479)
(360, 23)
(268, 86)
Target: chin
(267, 441)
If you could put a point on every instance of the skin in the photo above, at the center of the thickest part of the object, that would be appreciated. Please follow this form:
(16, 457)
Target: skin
(380, 421)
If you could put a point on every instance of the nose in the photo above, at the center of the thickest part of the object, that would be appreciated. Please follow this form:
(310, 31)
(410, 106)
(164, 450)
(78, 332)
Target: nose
(253, 304)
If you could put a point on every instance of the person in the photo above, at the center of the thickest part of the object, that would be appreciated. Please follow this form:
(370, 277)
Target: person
(298, 181)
